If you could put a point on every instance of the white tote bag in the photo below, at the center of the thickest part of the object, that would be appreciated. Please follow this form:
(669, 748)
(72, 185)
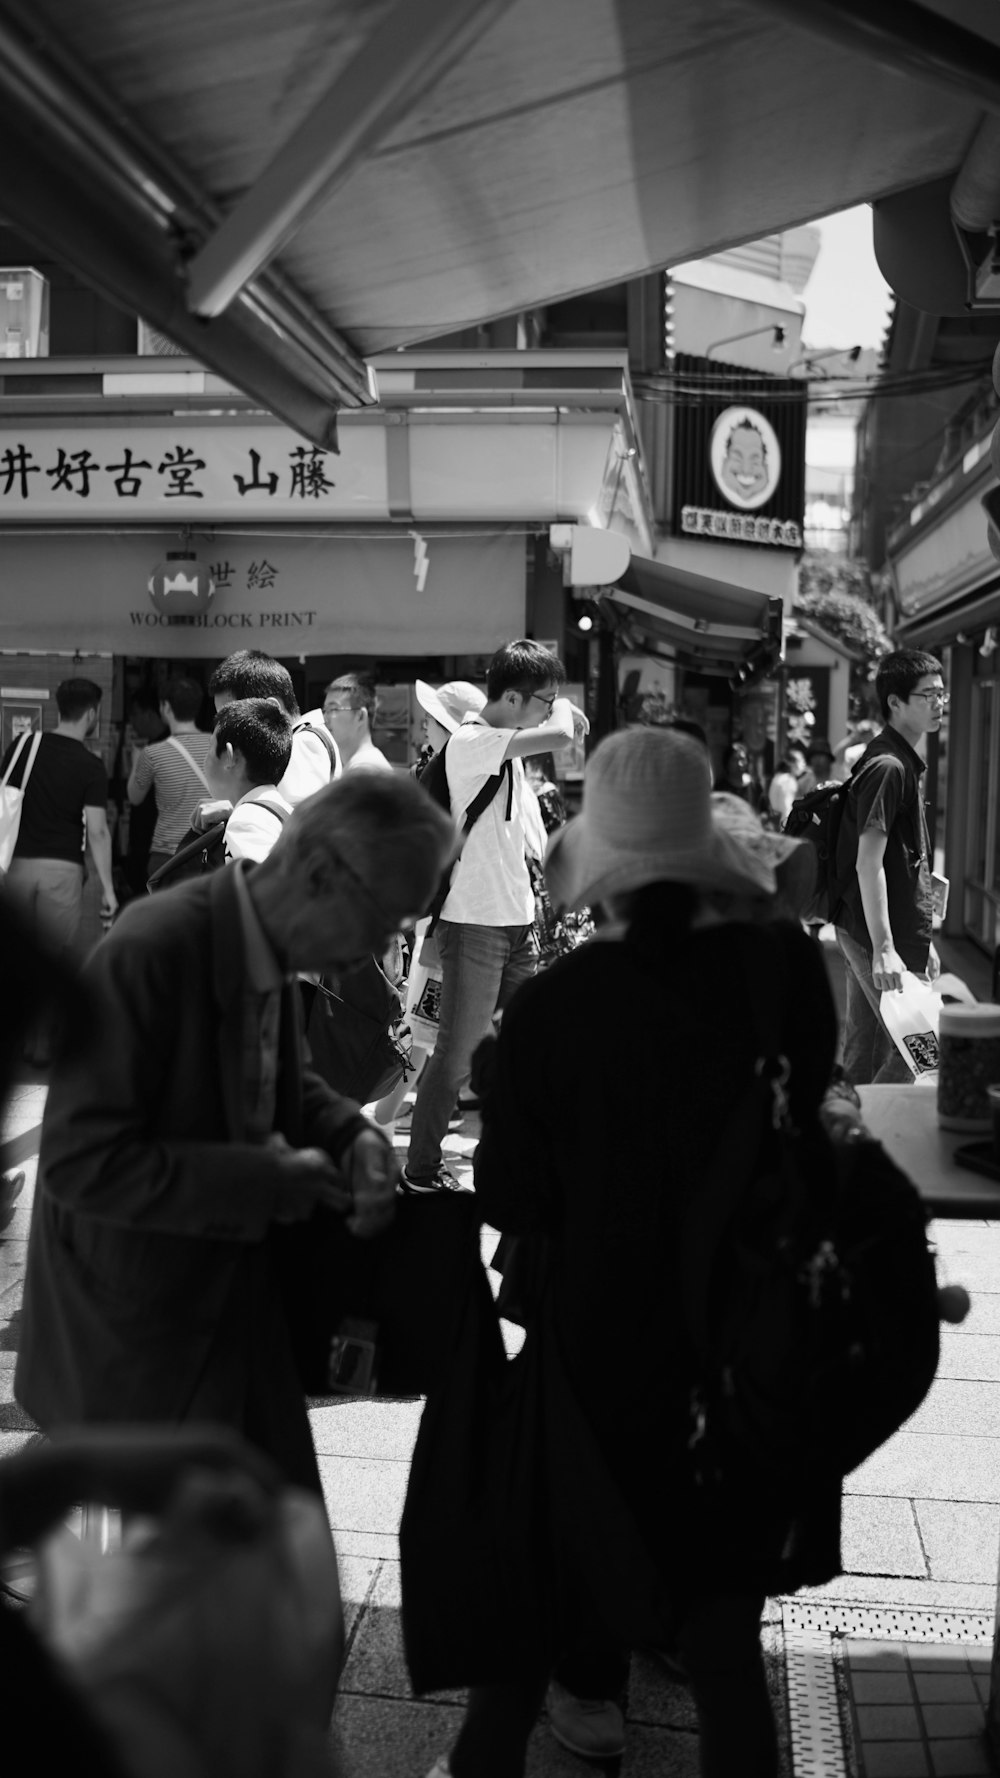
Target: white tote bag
(12, 798)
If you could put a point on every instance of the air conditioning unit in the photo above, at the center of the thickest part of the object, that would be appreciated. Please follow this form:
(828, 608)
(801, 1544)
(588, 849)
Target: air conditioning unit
(24, 312)
(153, 344)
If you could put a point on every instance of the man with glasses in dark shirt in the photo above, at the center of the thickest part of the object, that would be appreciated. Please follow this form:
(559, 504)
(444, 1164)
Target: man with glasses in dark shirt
(884, 922)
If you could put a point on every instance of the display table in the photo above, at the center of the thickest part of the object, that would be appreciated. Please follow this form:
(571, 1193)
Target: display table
(904, 1120)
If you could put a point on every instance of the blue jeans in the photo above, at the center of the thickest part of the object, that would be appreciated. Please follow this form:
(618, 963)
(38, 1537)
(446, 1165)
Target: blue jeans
(481, 966)
(869, 1055)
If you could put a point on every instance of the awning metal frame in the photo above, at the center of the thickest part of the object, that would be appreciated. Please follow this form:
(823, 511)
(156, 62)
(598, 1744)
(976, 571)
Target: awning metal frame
(405, 56)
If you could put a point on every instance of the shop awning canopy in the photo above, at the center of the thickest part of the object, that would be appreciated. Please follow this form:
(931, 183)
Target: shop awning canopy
(708, 625)
(286, 189)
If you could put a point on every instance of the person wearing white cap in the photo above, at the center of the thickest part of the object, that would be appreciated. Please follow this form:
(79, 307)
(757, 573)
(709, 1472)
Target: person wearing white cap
(607, 1088)
(485, 935)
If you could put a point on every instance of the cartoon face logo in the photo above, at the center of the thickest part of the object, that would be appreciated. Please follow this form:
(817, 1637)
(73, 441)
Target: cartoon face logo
(746, 457)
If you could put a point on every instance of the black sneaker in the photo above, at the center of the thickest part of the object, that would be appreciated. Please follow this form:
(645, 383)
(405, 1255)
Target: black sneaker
(439, 1181)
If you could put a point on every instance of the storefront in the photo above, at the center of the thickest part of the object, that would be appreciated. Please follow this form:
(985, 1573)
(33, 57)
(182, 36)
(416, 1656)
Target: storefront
(948, 593)
(412, 551)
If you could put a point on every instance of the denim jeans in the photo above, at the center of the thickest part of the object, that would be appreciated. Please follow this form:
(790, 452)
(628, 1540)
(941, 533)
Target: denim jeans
(869, 1055)
(481, 966)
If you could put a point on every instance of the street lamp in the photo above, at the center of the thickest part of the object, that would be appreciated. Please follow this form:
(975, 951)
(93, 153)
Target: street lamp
(852, 354)
(751, 334)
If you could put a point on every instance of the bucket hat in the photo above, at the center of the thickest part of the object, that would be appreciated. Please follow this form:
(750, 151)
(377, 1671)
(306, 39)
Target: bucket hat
(793, 861)
(450, 702)
(647, 818)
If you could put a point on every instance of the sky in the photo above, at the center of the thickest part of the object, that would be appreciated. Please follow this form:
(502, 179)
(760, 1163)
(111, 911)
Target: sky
(847, 299)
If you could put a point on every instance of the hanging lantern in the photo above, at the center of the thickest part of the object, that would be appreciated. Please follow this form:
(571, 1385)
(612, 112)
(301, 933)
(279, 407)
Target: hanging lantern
(181, 588)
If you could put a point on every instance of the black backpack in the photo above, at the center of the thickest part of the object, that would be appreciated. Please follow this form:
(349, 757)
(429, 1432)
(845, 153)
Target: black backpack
(198, 852)
(809, 1291)
(351, 1032)
(434, 779)
(817, 817)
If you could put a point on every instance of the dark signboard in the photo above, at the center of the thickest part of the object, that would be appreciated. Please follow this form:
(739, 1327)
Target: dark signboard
(739, 454)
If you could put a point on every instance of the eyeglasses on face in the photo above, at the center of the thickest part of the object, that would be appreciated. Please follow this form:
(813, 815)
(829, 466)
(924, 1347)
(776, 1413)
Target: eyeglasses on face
(548, 702)
(933, 696)
(336, 709)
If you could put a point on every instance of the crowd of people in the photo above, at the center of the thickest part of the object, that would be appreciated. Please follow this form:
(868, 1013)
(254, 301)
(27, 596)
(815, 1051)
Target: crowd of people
(194, 1163)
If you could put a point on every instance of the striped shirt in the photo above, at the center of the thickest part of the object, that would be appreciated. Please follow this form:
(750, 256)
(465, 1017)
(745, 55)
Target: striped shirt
(178, 787)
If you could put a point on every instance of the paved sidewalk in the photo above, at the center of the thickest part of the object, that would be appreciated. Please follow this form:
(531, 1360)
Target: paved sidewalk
(921, 1534)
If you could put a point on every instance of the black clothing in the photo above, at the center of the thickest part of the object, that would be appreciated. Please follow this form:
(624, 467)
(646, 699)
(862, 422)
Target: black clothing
(613, 1070)
(66, 778)
(888, 797)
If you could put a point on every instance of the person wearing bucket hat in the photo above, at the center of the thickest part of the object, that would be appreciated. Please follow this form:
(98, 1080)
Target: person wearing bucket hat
(607, 1092)
(647, 818)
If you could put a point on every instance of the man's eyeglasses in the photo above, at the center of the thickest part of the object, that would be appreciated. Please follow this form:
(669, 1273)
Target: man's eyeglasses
(336, 709)
(548, 702)
(933, 697)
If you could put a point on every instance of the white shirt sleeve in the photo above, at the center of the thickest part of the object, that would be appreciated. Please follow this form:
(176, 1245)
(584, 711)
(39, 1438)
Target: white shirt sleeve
(475, 752)
(250, 832)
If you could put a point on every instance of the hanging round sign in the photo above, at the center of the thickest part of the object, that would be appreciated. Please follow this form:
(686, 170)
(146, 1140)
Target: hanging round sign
(181, 587)
(746, 457)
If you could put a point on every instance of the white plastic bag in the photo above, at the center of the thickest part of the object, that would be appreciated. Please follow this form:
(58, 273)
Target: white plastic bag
(911, 1015)
(12, 797)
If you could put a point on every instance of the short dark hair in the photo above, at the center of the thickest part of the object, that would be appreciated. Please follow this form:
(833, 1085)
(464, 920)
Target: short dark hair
(250, 673)
(74, 697)
(261, 730)
(522, 666)
(360, 688)
(185, 697)
(898, 673)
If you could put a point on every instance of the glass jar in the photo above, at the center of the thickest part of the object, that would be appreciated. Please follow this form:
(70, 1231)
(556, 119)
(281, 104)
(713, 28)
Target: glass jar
(969, 1062)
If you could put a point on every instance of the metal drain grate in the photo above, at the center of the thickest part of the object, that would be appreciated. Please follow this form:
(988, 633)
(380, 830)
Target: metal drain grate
(889, 1623)
(813, 1709)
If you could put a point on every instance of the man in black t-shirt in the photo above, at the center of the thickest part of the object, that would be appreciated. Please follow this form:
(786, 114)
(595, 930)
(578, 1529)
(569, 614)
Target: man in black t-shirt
(65, 806)
(884, 923)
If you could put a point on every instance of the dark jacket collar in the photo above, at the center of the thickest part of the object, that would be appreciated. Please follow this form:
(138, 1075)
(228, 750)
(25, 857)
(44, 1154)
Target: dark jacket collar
(891, 741)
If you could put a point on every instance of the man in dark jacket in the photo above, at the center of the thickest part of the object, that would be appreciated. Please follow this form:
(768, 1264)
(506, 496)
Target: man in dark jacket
(883, 852)
(180, 1146)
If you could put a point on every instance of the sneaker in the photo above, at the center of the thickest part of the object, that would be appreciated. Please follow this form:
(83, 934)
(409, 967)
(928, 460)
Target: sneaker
(593, 1728)
(441, 1180)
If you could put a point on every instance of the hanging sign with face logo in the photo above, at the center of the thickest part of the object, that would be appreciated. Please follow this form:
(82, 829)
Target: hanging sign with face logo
(739, 464)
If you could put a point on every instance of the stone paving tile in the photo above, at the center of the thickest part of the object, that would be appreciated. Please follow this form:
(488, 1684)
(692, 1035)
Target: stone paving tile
(961, 1539)
(655, 1700)
(888, 1722)
(960, 1759)
(391, 1738)
(896, 1759)
(881, 1687)
(10, 1442)
(366, 1429)
(880, 1537)
(983, 1317)
(959, 1409)
(972, 1356)
(948, 1721)
(383, 1544)
(363, 1495)
(652, 1753)
(926, 1466)
(13, 1260)
(933, 1689)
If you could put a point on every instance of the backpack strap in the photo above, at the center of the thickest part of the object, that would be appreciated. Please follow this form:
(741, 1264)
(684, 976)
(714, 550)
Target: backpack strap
(278, 810)
(193, 763)
(309, 728)
(188, 849)
(483, 798)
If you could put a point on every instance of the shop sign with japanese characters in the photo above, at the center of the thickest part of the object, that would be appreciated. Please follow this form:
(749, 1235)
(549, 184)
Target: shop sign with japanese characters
(186, 473)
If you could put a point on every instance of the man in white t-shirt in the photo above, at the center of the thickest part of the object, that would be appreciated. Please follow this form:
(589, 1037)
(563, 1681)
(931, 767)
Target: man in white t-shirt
(253, 744)
(349, 706)
(250, 673)
(485, 934)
